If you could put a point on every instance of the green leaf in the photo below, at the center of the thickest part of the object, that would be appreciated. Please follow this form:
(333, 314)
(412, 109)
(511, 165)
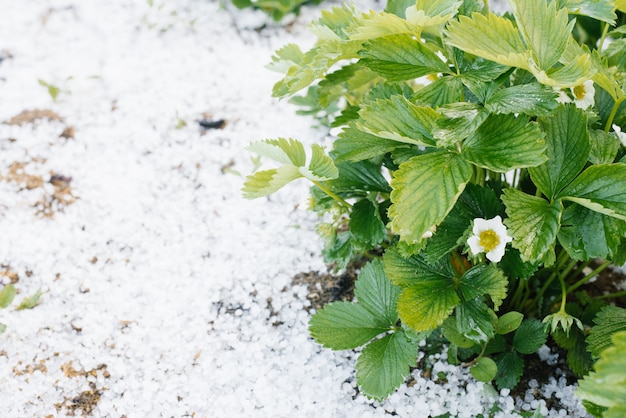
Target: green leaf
(598, 9)
(53, 90)
(266, 182)
(384, 364)
(321, 166)
(491, 37)
(484, 279)
(604, 147)
(609, 320)
(600, 188)
(474, 320)
(291, 154)
(481, 70)
(31, 301)
(572, 74)
(399, 120)
(475, 202)
(509, 322)
(425, 188)
(442, 91)
(365, 225)
(529, 336)
(484, 370)
(459, 121)
(607, 385)
(355, 145)
(286, 57)
(531, 99)
(567, 148)
(3, 328)
(510, 370)
(533, 223)
(401, 57)
(361, 176)
(544, 29)
(338, 249)
(578, 358)
(377, 294)
(505, 142)
(403, 271)
(6, 295)
(344, 325)
(428, 295)
(452, 334)
(586, 234)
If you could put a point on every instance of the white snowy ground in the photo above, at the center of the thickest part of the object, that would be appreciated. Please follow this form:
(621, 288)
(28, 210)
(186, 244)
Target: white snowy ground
(157, 278)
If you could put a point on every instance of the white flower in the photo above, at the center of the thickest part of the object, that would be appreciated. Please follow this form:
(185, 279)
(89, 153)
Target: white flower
(621, 135)
(489, 237)
(584, 94)
(563, 97)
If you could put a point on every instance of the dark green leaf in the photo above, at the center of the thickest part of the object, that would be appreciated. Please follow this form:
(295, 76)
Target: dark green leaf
(344, 325)
(440, 92)
(529, 336)
(425, 189)
(484, 279)
(578, 358)
(377, 294)
(338, 249)
(533, 223)
(360, 176)
(505, 142)
(355, 145)
(567, 149)
(384, 364)
(601, 189)
(403, 271)
(586, 234)
(609, 320)
(510, 370)
(604, 147)
(365, 225)
(474, 320)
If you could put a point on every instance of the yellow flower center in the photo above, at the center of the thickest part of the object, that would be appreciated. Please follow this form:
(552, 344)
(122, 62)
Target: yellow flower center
(489, 240)
(579, 92)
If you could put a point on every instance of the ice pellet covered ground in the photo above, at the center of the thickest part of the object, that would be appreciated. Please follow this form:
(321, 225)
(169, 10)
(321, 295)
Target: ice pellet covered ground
(165, 294)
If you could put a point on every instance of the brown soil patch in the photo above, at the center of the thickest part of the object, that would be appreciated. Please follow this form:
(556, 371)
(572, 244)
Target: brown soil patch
(86, 401)
(31, 116)
(56, 201)
(325, 287)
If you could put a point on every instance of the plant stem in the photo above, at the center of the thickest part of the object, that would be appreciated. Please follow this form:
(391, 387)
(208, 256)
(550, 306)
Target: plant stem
(616, 106)
(612, 295)
(332, 194)
(561, 260)
(563, 294)
(473, 362)
(605, 30)
(588, 277)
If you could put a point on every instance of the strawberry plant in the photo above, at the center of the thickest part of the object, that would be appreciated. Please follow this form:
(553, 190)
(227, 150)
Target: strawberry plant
(479, 163)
